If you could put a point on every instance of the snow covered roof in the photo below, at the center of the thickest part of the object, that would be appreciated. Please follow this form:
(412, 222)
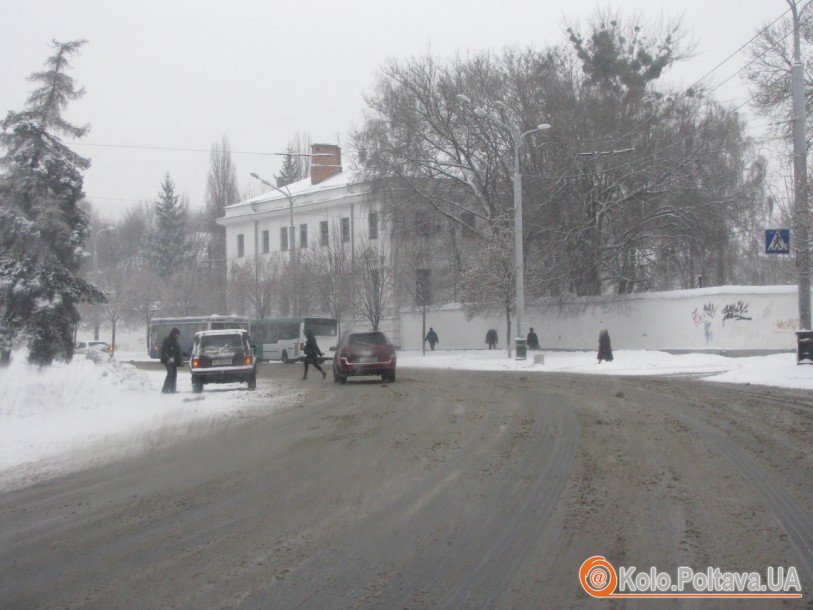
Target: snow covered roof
(345, 178)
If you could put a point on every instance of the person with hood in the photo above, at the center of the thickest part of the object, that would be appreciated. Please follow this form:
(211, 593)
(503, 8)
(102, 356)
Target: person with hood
(605, 350)
(171, 359)
(312, 354)
(491, 338)
(532, 342)
(432, 338)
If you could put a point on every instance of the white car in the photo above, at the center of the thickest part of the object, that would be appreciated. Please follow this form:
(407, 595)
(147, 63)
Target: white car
(222, 356)
(83, 347)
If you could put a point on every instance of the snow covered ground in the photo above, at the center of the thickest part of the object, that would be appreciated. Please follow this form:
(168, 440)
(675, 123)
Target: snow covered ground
(67, 416)
(58, 418)
(778, 370)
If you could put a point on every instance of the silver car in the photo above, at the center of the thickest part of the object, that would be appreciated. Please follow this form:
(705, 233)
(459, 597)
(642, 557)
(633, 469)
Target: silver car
(222, 356)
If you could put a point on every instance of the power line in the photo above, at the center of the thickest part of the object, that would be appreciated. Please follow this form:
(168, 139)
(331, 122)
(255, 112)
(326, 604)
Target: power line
(169, 148)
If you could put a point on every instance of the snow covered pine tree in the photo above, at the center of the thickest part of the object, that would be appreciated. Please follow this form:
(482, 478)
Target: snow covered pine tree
(42, 229)
(169, 247)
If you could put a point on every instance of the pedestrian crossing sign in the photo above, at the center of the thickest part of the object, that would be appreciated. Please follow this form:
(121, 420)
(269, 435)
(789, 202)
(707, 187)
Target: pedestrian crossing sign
(777, 241)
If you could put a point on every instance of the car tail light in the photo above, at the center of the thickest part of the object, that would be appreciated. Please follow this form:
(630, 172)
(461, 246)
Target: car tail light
(195, 363)
(247, 360)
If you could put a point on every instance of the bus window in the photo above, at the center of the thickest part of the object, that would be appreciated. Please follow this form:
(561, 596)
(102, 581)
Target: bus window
(321, 328)
(289, 332)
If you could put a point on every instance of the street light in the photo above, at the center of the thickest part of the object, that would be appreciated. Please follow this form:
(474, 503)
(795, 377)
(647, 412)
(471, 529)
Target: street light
(519, 262)
(291, 233)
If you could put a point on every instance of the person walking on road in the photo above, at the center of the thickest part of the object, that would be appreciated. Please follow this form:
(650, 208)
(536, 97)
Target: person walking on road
(491, 338)
(532, 341)
(432, 338)
(171, 359)
(312, 354)
(605, 350)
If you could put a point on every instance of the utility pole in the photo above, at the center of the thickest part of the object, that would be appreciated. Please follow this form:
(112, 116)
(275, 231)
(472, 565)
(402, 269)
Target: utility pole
(800, 211)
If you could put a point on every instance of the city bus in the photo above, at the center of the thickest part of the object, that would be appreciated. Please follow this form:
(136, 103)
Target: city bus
(284, 338)
(160, 327)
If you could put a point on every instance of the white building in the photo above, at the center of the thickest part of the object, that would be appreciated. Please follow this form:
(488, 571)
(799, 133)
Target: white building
(329, 207)
(326, 202)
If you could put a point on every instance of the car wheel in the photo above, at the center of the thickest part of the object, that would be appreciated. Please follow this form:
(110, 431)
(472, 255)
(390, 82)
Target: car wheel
(392, 377)
(342, 379)
(252, 382)
(335, 376)
(285, 356)
(197, 388)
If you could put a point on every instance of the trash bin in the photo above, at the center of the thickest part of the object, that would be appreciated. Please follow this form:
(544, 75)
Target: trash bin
(804, 347)
(522, 349)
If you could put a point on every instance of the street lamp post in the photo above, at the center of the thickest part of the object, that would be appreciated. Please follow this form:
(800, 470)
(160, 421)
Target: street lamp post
(291, 229)
(519, 260)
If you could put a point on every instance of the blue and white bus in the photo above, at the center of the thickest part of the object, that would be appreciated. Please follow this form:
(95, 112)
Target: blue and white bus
(160, 328)
(284, 338)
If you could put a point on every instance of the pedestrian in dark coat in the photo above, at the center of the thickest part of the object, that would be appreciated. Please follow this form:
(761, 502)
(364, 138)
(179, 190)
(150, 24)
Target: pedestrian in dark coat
(171, 359)
(312, 354)
(532, 342)
(605, 350)
(432, 338)
(491, 338)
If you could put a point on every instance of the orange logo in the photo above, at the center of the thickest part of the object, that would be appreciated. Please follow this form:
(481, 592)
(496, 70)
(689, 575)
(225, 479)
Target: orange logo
(599, 579)
(598, 576)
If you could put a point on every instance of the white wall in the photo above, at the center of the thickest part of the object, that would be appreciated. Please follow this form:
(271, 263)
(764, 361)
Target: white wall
(724, 317)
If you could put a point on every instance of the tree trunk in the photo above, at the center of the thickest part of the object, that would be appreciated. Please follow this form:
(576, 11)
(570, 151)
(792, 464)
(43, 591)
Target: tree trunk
(508, 324)
(423, 330)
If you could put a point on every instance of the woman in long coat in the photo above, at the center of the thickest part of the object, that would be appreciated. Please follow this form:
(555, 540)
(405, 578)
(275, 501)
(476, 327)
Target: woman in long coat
(605, 350)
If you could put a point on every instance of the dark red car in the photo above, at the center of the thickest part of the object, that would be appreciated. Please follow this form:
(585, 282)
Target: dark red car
(364, 353)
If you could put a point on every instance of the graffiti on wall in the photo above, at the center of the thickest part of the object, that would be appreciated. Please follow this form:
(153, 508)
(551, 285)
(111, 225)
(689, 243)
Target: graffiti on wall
(703, 316)
(788, 325)
(736, 311)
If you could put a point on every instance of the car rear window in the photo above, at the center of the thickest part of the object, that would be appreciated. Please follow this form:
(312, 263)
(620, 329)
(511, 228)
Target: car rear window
(221, 344)
(367, 339)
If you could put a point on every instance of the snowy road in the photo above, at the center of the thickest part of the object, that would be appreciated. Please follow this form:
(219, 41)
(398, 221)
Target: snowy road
(453, 489)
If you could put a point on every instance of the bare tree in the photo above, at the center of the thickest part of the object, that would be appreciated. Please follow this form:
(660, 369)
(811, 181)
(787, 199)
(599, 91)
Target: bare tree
(221, 191)
(489, 282)
(373, 271)
(331, 268)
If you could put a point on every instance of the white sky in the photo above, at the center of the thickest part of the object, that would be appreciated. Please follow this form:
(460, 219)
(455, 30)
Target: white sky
(181, 74)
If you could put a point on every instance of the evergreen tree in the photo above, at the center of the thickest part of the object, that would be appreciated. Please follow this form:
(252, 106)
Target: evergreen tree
(42, 229)
(169, 243)
(289, 172)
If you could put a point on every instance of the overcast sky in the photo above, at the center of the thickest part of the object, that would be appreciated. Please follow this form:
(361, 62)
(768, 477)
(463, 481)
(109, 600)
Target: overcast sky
(180, 74)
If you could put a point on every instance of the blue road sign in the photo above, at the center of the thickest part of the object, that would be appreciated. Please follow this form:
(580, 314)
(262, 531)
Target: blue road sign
(777, 241)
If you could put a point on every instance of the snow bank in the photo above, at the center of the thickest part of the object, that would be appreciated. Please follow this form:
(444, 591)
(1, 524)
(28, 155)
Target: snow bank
(778, 370)
(56, 418)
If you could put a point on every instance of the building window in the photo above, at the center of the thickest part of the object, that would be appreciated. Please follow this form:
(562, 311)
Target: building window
(266, 242)
(323, 232)
(345, 229)
(241, 246)
(303, 236)
(372, 225)
(283, 238)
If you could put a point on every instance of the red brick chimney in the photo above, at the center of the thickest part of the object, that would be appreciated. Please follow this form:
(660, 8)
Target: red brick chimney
(327, 163)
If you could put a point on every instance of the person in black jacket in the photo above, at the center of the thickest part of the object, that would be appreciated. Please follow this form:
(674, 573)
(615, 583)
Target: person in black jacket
(491, 338)
(432, 338)
(171, 359)
(532, 342)
(312, 354)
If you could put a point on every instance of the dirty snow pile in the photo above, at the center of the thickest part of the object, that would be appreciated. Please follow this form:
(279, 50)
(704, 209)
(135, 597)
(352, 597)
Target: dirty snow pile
(54, 417)
(778, 370)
